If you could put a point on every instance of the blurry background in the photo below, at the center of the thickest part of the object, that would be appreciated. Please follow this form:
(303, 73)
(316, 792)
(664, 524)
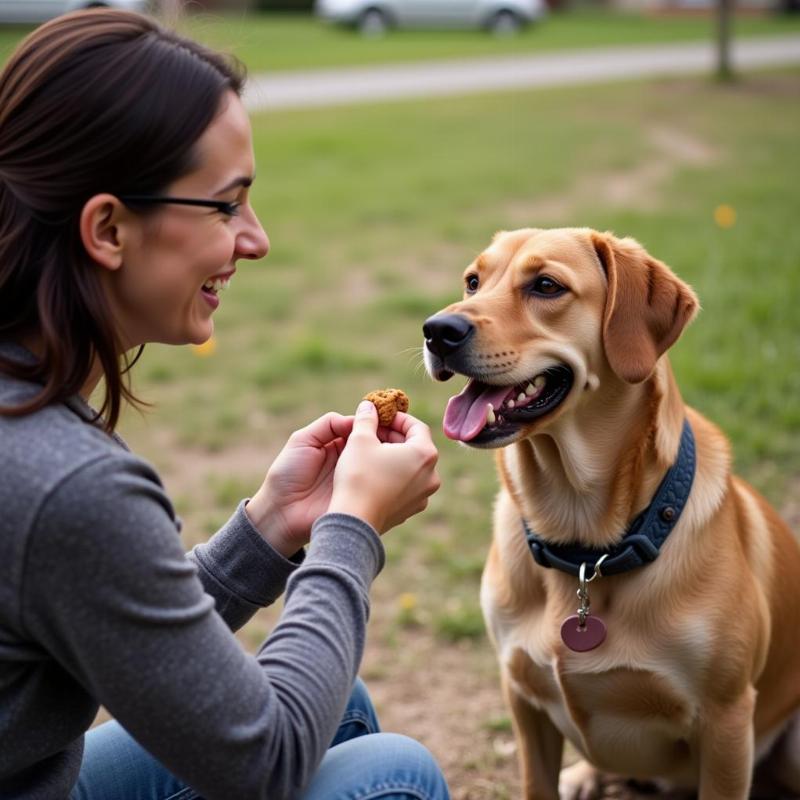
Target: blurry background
(374, 209)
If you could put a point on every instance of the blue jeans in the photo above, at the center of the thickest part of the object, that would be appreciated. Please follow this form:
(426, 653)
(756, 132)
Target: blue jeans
(361, 764)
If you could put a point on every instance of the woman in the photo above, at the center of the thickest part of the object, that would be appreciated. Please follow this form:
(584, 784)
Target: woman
(125, 163)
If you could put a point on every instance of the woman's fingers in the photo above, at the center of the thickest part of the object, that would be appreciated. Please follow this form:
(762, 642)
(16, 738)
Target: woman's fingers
(410, 427)
(402, 422)
(388, 436)
(326, 429)
(332, 426)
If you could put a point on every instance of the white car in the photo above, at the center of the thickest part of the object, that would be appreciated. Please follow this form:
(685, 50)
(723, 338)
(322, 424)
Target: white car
(373, 17)
(31, 11)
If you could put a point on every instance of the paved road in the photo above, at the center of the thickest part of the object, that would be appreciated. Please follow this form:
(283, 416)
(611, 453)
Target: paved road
(319, 88)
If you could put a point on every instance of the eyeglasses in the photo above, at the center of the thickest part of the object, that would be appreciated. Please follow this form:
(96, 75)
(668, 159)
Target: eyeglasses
(229, 209)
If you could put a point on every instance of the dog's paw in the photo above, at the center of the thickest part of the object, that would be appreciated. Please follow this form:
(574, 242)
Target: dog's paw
(581, 781)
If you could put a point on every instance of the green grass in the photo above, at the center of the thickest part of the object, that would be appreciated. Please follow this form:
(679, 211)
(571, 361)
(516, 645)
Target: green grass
(285, 42)
(460, 623)
(373, 212)
(270, 42)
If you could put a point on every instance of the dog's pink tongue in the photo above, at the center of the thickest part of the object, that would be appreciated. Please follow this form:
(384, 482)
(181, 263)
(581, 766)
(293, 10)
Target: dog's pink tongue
(465, 416)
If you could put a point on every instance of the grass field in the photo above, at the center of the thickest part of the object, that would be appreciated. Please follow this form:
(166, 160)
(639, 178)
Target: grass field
(373, 212)
(271, 42)
(285, 42)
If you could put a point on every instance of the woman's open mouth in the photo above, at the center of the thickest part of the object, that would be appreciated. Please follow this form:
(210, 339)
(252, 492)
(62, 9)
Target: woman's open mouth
(481, 413)
(212, 288)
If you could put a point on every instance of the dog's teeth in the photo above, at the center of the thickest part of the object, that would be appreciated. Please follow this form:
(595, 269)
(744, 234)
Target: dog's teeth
(510, 403)
(529, 389)
(522, 397)
(539, 381)
(490, 417)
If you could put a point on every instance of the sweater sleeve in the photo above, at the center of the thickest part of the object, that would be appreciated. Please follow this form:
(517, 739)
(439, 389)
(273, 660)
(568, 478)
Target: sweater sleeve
(240, 570)
(110, 594)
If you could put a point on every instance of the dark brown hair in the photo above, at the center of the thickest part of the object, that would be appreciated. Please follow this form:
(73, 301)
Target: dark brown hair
(94, 101)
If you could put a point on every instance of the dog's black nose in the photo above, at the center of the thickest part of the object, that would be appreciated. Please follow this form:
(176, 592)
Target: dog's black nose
(445, 333)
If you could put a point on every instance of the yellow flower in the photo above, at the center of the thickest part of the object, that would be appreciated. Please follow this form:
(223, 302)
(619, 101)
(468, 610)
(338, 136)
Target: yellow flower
(206, 349)
(408, 601)
(725, 216)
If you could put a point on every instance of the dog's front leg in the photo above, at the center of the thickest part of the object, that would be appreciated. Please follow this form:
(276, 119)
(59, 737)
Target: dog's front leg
(539, 745)
(726, 749)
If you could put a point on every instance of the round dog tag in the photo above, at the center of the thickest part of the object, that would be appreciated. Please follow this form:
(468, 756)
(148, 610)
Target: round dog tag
(580, 639)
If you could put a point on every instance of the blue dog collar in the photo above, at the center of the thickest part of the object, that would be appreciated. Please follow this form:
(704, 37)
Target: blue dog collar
(645, 535)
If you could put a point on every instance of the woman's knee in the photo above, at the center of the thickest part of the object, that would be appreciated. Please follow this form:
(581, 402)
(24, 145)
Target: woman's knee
(388, 766)
(413, 765)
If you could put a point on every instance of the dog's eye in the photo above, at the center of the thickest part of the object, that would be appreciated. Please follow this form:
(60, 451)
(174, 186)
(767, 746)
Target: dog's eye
(472, 283)
(547, 287)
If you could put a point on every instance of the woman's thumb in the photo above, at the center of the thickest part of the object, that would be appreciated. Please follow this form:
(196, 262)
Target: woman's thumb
(366, 418)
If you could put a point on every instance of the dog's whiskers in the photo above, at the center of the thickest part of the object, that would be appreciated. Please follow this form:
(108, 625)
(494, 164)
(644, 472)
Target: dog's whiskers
(415, 356)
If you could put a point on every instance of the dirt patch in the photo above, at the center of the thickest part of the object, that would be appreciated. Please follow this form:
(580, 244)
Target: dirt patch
(765, 84)
(639, 187)
(448, 697)
(359, 287)
(682, 148)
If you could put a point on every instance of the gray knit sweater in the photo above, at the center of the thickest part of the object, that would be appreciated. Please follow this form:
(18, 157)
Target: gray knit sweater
(100, 605)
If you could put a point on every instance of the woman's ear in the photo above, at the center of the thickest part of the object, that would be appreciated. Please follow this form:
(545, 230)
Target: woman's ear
(100, 222)
(647, 306)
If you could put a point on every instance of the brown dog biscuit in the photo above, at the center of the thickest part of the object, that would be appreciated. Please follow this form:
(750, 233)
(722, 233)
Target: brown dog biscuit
(388, 402)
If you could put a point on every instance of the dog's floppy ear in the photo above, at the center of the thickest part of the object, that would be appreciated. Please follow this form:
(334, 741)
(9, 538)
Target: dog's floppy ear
(647, 306)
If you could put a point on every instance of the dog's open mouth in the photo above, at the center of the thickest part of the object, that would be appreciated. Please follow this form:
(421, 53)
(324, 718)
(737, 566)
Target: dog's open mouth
(482, 413)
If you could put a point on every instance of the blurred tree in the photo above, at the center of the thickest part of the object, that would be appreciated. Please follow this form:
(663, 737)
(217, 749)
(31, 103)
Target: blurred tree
(724, 14)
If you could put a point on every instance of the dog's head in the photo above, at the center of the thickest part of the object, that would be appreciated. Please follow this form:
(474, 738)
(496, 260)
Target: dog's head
(546, 315)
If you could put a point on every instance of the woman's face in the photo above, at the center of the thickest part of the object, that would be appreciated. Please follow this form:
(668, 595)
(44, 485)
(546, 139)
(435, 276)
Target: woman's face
(177, 260)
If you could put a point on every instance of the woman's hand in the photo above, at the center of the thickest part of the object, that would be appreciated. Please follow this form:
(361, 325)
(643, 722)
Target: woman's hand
(383, 475)
(298, 486)
(348, 465)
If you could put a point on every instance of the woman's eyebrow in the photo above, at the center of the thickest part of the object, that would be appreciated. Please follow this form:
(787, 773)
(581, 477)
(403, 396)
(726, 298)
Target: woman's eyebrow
(244, 181)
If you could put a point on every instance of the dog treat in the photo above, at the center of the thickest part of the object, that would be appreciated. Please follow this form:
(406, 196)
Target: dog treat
(388, 402)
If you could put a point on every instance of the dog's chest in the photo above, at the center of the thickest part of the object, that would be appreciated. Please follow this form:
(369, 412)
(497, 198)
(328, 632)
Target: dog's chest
(620, 718)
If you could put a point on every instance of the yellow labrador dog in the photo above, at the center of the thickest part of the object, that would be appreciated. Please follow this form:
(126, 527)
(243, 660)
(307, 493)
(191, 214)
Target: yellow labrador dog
(643, 601)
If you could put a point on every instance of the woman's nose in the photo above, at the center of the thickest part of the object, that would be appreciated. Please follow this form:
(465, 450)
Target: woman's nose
(252, 241)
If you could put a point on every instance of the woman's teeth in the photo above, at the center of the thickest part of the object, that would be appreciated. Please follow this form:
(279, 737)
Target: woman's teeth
(533, 389)
(218, 285)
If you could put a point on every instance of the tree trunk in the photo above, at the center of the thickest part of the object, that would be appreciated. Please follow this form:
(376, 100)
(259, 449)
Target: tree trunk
(724, 18)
